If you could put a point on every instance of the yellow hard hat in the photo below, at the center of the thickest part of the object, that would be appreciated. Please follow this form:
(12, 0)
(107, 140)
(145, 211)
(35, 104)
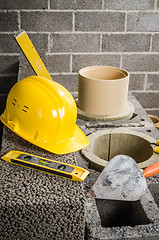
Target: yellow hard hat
(44, 113)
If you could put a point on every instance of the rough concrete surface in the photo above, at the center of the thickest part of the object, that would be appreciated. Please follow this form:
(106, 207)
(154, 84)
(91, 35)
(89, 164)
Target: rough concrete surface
(120, 220)
(35, 205)
(110, 219)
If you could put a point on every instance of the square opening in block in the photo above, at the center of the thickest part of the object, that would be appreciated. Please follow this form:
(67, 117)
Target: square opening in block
(115, 213)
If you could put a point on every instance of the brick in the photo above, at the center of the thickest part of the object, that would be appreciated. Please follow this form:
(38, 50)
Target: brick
(99, 21)
(152, 82)
(140, 62)
(46, 21)
(39, 40)
(136, 82)
(9, 21)
(75, 43)
(23, 4)
(25, 68)
(143, 22)
(2, 107)
(8, 44)
(126, 42)
(9, 64)
(80, 61)
(57, 4)
(129, 5)
(148, 99)
(6, 83)
(71, 4)
(3, 102)
(155, 41)
(58, 63)
(25, 71)
(70, 82)
(1, 131)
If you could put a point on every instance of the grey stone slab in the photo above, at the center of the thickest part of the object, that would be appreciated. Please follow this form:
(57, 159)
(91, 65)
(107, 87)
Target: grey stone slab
(8, 44)
(79, 61)
(147, 99)
(6, 83)
(121, 179)
(70, 82)
(75, 43)
(99, 21)
(129, 5)
(2, 107)
(126, 42)
(152, 82)
(22, 4)
(143, 22)
(9, 21)
(46, 21)
(140, 62)
(58, 63)
(136, 81)
(3, 102)
(10, 64)
(155, 40)
(71, 4)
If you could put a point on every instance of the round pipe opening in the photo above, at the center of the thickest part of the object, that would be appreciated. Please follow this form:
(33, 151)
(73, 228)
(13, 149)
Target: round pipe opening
(121, 143)
(106, 144)
(103, 73)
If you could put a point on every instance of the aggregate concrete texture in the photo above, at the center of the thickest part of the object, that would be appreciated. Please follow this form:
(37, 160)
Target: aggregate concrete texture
(110, 219)
(35, 205)
(62, 21)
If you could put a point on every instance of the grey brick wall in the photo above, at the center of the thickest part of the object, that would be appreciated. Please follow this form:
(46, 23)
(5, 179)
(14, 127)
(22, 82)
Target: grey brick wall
(75, 34)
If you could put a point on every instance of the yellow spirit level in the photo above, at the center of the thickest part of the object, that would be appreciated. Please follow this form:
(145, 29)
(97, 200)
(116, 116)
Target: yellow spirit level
(46, 165)
(31, 54)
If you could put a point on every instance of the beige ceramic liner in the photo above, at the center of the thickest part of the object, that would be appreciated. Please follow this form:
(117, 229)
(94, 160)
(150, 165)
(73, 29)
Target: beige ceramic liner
(127, 114)
(106, 144)
(102, 90)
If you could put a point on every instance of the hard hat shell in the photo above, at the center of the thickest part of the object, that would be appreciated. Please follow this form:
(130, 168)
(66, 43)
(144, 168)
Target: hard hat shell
(44, 113)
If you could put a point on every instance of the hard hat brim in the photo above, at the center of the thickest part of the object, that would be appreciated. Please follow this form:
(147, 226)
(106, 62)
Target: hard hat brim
(78, 142)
